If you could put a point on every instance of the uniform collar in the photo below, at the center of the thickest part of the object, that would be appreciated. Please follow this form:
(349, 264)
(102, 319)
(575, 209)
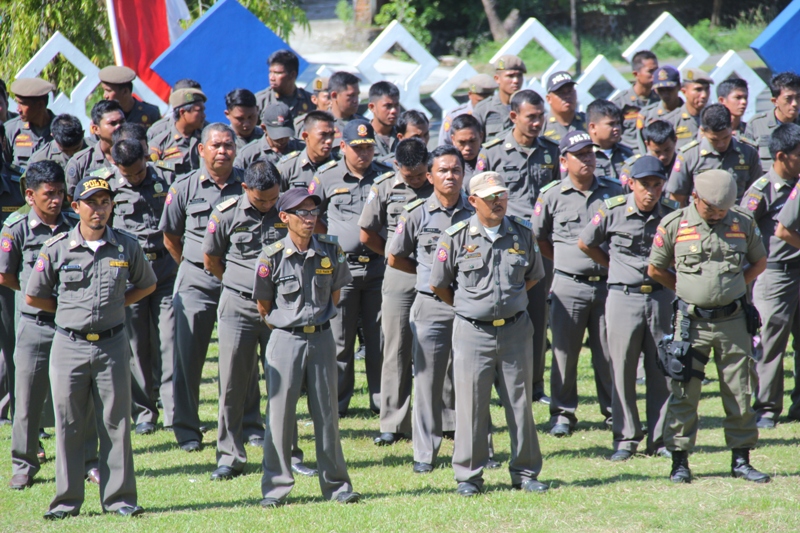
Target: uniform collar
(476, 228)
(177, 136)
(632, 209)
(433, 203)
(204, 178)
(34, 221)
(694, 219)
(289, 249)
(778, 182)
(76, 238)
(566, 184)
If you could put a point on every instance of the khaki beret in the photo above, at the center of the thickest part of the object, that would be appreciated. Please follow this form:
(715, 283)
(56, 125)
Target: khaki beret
(31, 87)
(482, 84)
(695, 75)
(117, 75)
(509, 62)
(717, 188)
(183, 97)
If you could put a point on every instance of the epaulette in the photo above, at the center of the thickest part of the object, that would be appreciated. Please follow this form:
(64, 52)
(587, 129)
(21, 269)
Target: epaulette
(383, 177)
(330, 239)
(672, 204)
(328, 165)
(549, 186)
(761, 183)
(273, 248)
(670, 217)
(13, 218)
(227, 203)
(615, 201)
(692, 144)
(747, 140)
(103, 173)
(455, 228)
(166, 165)
(758, 116)
(52, 240)
(491, 143)
(611, 179)
(743, 211)
(126, 233)
(415, 204)
(521, 221)
(548, 139)
(632, 159)
(290, 155)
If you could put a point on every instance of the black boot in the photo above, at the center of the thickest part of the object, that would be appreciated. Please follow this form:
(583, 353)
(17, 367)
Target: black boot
(680, 467)
(740, 467)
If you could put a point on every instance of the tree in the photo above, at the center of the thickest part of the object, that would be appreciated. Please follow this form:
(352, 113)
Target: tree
(499, 33)
(281, 16)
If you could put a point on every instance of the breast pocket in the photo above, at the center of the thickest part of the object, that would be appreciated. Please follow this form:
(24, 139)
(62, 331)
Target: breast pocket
(763, 147)
(124, 216)
(517, 265)
(73, 284)
(734, 251)
(427, 246)
(623, 244)
(688, 257)
(243, 245)
(289, 294)
(470, 272)
(197, 215)
(346, 205)
(566, 224)
(392, 212)
(322, 288)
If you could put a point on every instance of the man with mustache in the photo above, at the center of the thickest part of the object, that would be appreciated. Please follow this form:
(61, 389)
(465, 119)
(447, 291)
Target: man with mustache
(563, 101)
(493, 112)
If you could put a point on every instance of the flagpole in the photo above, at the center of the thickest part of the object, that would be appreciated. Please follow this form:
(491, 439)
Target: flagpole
(112, 22)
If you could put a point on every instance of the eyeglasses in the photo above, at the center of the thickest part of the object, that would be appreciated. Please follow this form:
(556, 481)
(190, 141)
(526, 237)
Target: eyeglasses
(306, 212)
(496, 196)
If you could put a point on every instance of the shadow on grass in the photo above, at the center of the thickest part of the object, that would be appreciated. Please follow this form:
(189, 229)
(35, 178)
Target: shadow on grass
(592, 451)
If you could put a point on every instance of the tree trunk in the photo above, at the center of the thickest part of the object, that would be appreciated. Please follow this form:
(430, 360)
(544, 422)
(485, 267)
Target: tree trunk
(576, 38)
(499, 33)
(716, 13)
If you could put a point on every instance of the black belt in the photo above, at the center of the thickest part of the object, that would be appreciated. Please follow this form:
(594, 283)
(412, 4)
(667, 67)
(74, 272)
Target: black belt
(784, 267)
(645, 288)
(355, 259)
(241, 294)
(308, 329)
(430, 295)
(496, 323)
(202, 267)
(91, 337)
(584, 279)
(153, 256)
(709, 313)
(46, 319)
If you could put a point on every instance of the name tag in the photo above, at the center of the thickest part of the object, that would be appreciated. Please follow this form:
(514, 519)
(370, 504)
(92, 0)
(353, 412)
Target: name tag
(67, 268)
(287, 278)
(118, 264)
(735, 235)
(324, 271)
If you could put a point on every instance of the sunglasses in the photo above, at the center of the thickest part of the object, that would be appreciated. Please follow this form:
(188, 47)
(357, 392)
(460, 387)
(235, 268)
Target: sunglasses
(306, 212)
(496, 196)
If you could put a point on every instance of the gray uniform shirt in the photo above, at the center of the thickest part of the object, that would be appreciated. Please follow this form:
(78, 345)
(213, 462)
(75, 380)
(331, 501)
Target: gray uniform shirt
(299, 285)
(488, 277)
(631, 104)
(444, 131)
(299, 102)
(561, 213)
(297, 170)
(171, 147)
(261, 149)
(90, 285)
(51, 152)
(611, 167)
(84, 163)
(760, 129)
(686, 126)
(238, 232)
(494, 116)
(22, 140)
(255, 135)
(418, 232)
(188, 206)
(779, 202)
(628, 233)
(555, 131)
(143, 113)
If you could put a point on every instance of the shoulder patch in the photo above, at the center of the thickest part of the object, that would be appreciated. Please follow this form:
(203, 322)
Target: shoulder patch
(328, 165)
(273, 248)
(13, 218)
(290, 155)
(455, 228)
(687, 146)
(675, 215)
(52, 240)
(491, 143)
(522, 222)
(672, 204)
(761, 183)
(549, 186)
(227, 203)
(166, 165)
(103, 173)
(383, 177)
(615, 201)
(413, 205)
(330, 239)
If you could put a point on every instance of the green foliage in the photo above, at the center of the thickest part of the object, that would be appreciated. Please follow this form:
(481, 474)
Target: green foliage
(716, 39)
(345, 11)
(415, 18)
(281, 16)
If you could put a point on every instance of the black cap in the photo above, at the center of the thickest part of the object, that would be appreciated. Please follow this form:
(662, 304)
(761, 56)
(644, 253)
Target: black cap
(646, 166)
(358, 132)
(89, 186)
(294, 197)
(277, 117)
(558, 79)
(574, 141)
(666, 76)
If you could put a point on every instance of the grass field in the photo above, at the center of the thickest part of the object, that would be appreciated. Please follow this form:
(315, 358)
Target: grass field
(588, 493)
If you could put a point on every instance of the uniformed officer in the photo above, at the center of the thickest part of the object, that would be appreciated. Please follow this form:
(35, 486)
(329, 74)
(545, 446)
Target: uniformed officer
(344, 189)
(320, 97)
(278, 142)
(412, 251)
(640, 95)
(187, 209)
(117, 83)
(666, 84)
(140, 193)
(638, 310)
(578, 294)
(297, 285)
(605, 129)
(237, 231)
(465, 134)
(479, 88)
(298, 167)
(708, 243)
(696, 89)
(773, 202)
(493, 112)
(86, 277)
(283, 70)
(716, 149)
(107, 117)
(344, 93)
(733, 94)
(413, 123)
(242, 113)
(178, 144)
(485, 273)
(785, 89)
(67, 133)
(378, 223)
(166, 121)
(22, 238)
(30, 130)
(564, 116)
(527, 161)
(384, 104)
(659, 142)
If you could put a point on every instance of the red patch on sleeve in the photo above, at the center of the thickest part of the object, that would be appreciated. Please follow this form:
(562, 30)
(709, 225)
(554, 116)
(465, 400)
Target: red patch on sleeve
(441, 255)
(263, 271)
(169, 199)
(658, 240)
(212, 226)
(5, 245)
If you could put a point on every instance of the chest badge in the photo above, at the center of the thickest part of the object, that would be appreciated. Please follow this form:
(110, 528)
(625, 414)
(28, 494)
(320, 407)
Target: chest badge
(470, 247)
(158, 187)
(325, 263)
(547, 159)
(693, 248)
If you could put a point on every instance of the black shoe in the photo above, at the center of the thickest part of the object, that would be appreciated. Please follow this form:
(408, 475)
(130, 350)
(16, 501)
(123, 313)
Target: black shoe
(765, 423)
(129, 510)
(256, 441)
(707, 381)
(203, 428)
(191, 446)
(348, 497)
(422, 468)
(224, 473)
(741, 468)
(43, 434)
(360, 354)
(449, 435)
(621, 455)
(560, 430)
(145, 428)
(491, 464)
(387, 439)
(641, 381)
(467, 489)
(59, 515)
(303, 470)
(680, 467)
(609, 422)
(664, 453)
(271, 503)
(531, 485)
(542, 398)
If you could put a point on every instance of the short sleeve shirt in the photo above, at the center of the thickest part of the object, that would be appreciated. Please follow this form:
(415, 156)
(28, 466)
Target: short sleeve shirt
(297, 169)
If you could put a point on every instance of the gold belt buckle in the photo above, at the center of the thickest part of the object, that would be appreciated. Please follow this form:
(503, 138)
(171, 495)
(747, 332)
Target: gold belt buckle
(594, 278)
(309, 329)
(363, 259)
(499, 322)
(92, 337)
(646, 289)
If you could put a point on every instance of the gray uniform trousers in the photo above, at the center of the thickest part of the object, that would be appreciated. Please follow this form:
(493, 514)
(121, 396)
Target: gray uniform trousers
(432, 325)
(398, 295)
(151, 324)
(482, 354)
(82, 372)
(636, 323)
(776, 294)
(539, 311)
(294, 359)
(7, 338)
(574, 307)
(195, 304)
(359, 298)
